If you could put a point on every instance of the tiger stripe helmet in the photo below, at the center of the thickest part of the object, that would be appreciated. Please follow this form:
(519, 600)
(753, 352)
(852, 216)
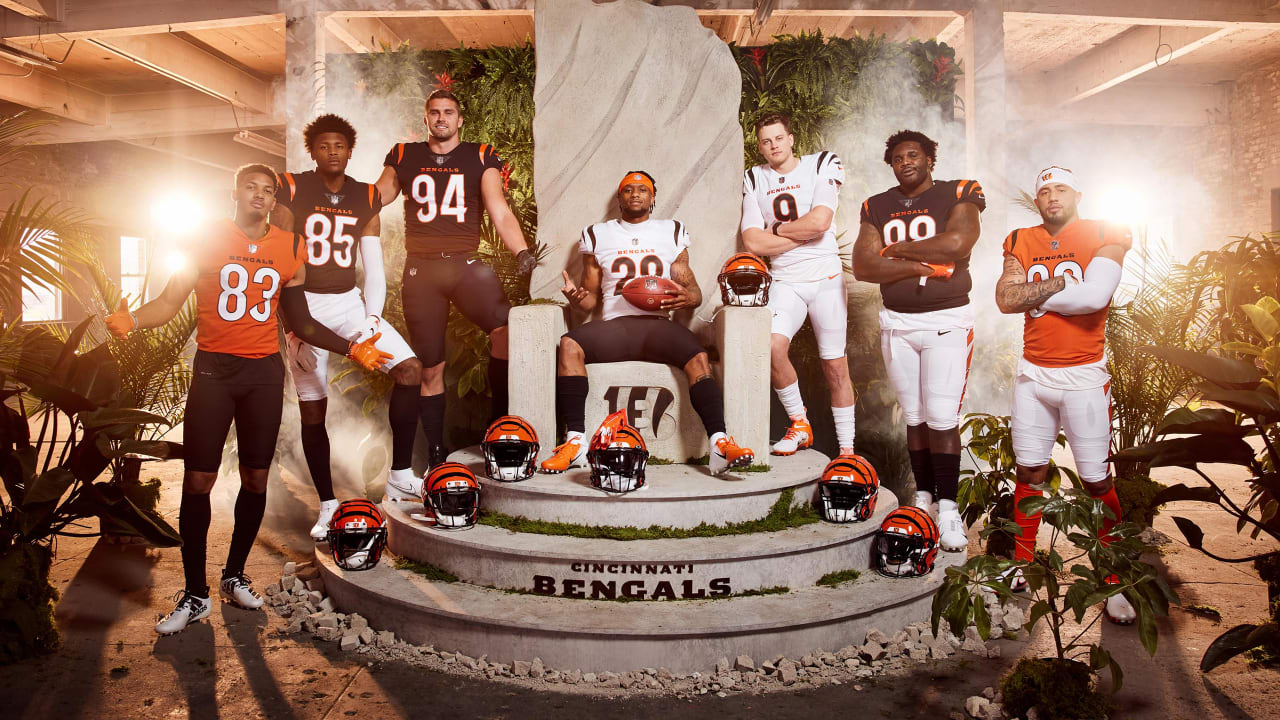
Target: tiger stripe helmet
(357, 535)
(617, 456)
(848, 490)
(451, 495)
(907, 544)
(744, 281)
(510, 449)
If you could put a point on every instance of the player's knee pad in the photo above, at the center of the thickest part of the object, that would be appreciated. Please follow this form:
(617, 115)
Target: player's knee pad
(1032, 447)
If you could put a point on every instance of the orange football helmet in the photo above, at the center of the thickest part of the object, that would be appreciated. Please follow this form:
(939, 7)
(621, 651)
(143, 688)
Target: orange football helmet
(510, 447)
(744, 281)
(907, 544)
(617, 456)
(451, 495)
(848, 489)
(357, 534)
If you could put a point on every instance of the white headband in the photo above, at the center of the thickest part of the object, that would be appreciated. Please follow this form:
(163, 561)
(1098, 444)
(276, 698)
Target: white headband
(1056, 174)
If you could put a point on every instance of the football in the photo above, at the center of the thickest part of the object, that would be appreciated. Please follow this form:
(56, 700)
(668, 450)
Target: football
(648, 291)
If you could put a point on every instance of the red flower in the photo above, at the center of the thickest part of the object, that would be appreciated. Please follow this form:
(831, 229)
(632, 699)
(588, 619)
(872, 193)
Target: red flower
(444, 81)
(506, 176)
(757, 57)
(941, 66)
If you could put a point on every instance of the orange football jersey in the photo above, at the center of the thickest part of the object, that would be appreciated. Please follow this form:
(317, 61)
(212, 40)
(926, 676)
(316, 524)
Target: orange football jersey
(238, 288)
(1050, 339)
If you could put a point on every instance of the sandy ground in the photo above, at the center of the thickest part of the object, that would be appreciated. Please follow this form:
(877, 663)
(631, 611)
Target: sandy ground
(112, 665)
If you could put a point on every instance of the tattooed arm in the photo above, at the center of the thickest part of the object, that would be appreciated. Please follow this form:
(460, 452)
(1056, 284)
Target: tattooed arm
(1014, 294)
(690, 294)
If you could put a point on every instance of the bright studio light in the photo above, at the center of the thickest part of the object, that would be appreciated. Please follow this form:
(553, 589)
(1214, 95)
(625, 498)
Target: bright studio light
(1121, 204)
(177, 213)
(175, 261)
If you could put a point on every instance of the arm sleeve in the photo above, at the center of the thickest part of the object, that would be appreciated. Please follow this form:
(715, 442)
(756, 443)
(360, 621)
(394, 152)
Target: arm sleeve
(1091, 294)
(293, 305)
(751, 215)
(375, 278)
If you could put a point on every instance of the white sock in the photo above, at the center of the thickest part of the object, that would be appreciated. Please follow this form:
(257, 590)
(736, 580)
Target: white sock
(715, 439)
(844, 425)
(574, 436)
(791, 400)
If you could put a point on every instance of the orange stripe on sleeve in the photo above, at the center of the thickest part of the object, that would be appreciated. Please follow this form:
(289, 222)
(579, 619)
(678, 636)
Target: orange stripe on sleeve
(484, 148)
(372, 189)
(399, 153)
(293, 188)
(960, 188)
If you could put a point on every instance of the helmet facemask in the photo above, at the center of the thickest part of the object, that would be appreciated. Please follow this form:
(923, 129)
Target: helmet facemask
(509, 460)
(902, 555)
(844, 502)
(744, 288)
(618, 469)
(455, 507)
(357, 548)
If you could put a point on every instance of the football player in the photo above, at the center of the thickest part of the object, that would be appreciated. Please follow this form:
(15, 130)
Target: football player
(613, 253)
(240, 272)
(448, 185)
(1062, 274)
(915, 241)
(788, 214)
(338, 219)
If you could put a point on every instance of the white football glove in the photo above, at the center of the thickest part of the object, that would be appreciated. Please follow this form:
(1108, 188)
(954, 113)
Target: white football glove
(300, 355)
(368, 328)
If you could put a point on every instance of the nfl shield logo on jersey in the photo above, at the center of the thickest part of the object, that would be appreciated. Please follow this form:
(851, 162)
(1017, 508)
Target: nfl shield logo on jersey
(253, 248)
(334, 198)
(1053, 245)
(635, 241)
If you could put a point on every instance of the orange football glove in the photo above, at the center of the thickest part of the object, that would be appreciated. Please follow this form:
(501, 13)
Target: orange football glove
(942, 270)
(121, 322)
(368, 356)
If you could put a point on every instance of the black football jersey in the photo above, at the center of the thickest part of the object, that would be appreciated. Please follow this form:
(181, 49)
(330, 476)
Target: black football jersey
(903, 219)
(442, 203)
(330, 225)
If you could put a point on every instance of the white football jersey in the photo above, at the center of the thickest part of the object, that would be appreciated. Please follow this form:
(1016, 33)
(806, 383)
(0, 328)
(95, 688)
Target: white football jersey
(627, 250)
(769, 197)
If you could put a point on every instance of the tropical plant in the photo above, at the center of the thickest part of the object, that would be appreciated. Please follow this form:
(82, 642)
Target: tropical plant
(51, 481)
(1248, 391)
(1064, 590)
(1224, 280)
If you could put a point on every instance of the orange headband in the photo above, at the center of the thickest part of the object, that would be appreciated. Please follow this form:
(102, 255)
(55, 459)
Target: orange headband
(636, 178)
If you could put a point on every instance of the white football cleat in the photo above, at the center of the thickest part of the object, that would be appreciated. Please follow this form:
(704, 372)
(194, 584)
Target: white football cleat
(952, 532)
(798, 437)
(1017, 583)
(403, 484)
(190, 609)
(320, 530)
(924, 501)
(1119, 610)
(237, 590)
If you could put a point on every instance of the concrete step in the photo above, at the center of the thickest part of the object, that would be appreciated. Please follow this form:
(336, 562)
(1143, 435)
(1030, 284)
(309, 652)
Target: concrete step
(636, 569)
(682, 496)
(599, 635)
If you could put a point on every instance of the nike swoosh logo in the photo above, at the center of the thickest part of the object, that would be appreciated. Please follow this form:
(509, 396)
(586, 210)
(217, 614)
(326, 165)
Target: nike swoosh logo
(470, 261)
(943, 332)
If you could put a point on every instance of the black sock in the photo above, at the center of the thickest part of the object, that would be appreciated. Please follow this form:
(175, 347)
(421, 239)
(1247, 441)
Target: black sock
(498, 386)
(571, 402)
(403, 416)
(193, 527)
(250, 507)
(946, 473)
(708, 402)
(431, 411)
(315, 447)
(922, 469)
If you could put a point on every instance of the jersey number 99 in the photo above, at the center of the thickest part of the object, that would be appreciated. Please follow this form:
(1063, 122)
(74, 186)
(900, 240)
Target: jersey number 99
(919, 228)
(233, 301)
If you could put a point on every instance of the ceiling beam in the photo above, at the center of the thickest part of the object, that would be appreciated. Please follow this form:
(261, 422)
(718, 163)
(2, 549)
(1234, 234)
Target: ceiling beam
(38, 9)
(1124, 57)
(1203, 13)
(151, 115)
(211, 150)
(107, 18)
(363, 34)
(1146, 104)
(48, 93)
(179, 60)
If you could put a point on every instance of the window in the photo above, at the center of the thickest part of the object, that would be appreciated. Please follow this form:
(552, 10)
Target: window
(134, 252)
(40, 303)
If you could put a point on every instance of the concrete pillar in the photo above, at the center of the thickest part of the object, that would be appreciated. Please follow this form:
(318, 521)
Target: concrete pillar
(743, 337)
(986, 104)
(535, 334)
(303, 75)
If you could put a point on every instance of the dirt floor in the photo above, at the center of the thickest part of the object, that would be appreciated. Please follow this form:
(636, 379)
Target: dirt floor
(112, 665)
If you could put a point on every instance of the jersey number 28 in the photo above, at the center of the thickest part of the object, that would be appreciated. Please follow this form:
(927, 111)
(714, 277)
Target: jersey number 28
(626, 267)
(233, 301)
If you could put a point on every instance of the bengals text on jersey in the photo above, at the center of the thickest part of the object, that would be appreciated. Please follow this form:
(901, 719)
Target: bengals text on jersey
(330, 225)
(770, 197)
(626, 250)
(238, 286)
(899, 218)
(1050, 339)
(442, 201)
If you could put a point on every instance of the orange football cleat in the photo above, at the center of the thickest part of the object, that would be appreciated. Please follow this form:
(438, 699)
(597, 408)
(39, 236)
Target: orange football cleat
(726, 455)
(799, 436)
(569, 454)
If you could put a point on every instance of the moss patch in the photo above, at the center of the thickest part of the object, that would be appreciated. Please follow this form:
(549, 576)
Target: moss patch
(706, 459)
(781, 517)
(838, 578)
(1058, 689)
(1208, 612)
(430, 572)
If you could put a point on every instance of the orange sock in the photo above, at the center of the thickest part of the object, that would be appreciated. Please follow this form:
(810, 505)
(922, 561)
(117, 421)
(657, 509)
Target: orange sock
(1109, 499)
(1025, 546)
